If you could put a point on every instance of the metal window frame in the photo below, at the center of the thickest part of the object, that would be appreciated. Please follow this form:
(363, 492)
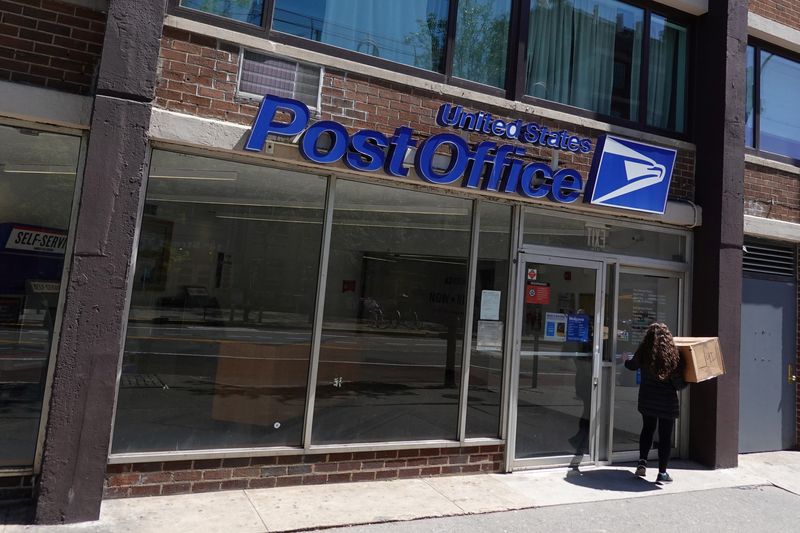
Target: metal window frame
(47, 385)
(516, 57)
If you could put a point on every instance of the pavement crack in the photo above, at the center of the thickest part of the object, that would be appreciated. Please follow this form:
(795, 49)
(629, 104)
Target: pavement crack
(445, 496)
(255, 510)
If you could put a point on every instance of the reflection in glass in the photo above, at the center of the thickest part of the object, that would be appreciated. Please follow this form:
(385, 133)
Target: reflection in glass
(482, 41)
(219, 333)
(749, 112)
(556, 356)
(642, 300)
(779, 118)
(489, 322)
(37, 181)
(550, 229)
(249, 11)
(390, 360)
(411, 32)
(586, 53)
(666, 88)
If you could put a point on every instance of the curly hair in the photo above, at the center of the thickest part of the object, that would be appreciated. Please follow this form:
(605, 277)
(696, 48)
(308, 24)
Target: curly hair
(658, 352)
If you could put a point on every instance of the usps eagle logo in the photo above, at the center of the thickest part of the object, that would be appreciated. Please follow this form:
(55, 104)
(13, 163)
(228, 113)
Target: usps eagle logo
(630, 175)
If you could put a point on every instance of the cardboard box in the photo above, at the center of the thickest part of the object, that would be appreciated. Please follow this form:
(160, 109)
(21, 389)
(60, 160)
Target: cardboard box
(702, 356)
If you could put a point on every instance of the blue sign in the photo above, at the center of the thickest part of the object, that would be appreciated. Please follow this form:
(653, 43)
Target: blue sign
(578, 328)
(630, 175)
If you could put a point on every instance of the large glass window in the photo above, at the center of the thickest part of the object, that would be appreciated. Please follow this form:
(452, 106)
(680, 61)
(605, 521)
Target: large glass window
(219, 334)
(249, 11)
(390, 360)
(37, 182)
(773, 119)
(489, 322)
(666, 87)
(586, 53)
(482, 41)
(411, 32)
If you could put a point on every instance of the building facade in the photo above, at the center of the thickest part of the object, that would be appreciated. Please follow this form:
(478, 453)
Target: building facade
(253, 244)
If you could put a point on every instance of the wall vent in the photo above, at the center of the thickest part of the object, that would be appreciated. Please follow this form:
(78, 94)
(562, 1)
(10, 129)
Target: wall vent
(261, 74)
(771, 259)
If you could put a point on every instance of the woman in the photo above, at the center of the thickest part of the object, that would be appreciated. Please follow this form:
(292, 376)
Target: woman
(661, 379)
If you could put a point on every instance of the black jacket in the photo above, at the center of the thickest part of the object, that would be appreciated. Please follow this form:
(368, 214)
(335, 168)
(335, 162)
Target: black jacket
(658, 397)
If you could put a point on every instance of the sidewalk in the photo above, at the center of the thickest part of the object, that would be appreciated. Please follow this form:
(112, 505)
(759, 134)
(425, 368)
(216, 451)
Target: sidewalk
(308, 507)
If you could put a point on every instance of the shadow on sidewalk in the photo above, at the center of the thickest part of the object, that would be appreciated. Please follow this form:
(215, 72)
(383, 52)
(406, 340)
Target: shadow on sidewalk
(610, 479)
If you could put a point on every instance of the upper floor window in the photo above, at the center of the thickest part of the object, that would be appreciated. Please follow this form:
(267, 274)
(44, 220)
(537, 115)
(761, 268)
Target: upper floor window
(607, 57)
(772, 118)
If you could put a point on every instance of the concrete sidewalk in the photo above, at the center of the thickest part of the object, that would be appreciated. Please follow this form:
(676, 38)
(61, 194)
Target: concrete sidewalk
(317, 506)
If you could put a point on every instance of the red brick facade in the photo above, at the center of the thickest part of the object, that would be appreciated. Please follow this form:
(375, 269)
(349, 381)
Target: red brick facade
(785, 12)
(50, 44)
(204, 475)
(198, 77)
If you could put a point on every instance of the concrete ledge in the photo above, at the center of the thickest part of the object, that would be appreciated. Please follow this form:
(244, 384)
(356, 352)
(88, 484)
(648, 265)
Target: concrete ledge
(512, 106)
(770, 163)
(36, 104)
(768, 228)
(773, 32)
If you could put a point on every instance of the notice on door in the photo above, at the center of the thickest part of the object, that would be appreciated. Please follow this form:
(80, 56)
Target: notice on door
(490, 305)
(537, 293)
(578, 328)
(555, 327)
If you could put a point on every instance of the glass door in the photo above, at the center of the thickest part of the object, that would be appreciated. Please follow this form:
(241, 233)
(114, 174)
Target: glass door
(642, 298)
(556, 360)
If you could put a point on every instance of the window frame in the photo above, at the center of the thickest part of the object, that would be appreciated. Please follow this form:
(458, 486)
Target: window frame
(516, 58)
(758, 46)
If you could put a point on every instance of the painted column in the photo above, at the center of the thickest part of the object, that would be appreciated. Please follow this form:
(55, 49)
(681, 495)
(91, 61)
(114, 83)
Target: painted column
(89, 349)
(720, 87)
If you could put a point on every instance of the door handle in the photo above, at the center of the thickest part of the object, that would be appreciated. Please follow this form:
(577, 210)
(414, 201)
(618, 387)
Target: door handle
(791, 377)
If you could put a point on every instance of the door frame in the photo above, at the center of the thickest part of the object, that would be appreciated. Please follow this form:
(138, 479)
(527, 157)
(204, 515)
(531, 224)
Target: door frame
(531, 254)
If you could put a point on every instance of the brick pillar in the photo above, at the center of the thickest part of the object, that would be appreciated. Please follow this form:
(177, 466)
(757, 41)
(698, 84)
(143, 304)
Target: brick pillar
(90, 346)
(716, 304)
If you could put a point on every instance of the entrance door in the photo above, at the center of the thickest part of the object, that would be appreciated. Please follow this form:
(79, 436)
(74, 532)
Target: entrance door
(557, 353)
(767, 400)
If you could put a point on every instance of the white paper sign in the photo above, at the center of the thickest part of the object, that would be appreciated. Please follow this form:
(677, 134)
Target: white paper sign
(490, 305)
(490, 336)
(36, 240)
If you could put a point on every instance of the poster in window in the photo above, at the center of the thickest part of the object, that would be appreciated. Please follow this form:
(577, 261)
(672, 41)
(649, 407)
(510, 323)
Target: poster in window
(578, 327)
(555, 327)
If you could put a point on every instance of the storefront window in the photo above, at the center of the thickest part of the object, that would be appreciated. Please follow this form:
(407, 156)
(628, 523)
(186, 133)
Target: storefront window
(410, 32)
(547, 229)
(390, 360)
(586, 53)
(489, 322)
(666, 88)
(249, 11)
(37, 183)
(482, 41)
(219, 334)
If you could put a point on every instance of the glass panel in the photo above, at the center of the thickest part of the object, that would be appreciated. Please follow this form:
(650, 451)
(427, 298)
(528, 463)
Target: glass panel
(37, 182)
(249, 11)
(410, 32)
(779, 115)
(555, 372)
(488, 322)
(586, 53)
(223, 300)
(394, 316)
(749, 114)
(549, 230)
(666, 89)
(642, 301)
(482, 41)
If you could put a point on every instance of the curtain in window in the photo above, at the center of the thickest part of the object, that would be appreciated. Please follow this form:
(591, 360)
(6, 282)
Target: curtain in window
(666, 95)
(410, 32)
(586, 53)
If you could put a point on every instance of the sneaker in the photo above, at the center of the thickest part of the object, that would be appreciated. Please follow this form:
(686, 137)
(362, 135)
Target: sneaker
(641, 470)
(663, 477)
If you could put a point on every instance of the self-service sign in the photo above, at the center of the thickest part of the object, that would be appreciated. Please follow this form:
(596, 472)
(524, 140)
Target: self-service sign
(36, 240)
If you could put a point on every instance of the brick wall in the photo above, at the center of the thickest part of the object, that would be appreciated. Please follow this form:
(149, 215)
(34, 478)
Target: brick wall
(179, 477)
(198, 76)
(784, 11)
(14, 488)
(50, 44)
(771, 193)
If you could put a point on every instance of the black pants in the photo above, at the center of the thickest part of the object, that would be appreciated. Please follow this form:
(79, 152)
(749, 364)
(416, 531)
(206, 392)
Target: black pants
(665, 426)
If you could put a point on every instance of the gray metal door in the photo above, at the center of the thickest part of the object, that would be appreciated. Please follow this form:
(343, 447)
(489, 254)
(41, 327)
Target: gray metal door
(767, 401)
